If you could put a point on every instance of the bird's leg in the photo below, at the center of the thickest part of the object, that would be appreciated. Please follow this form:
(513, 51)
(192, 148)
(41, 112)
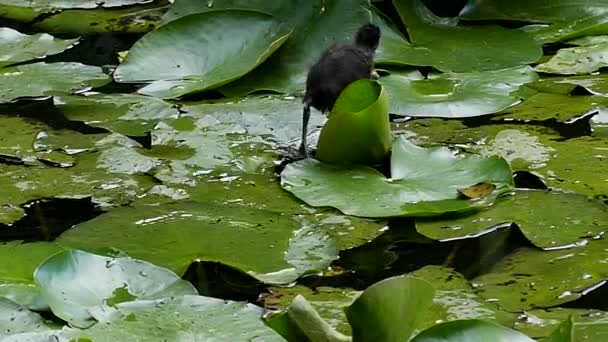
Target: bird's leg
(305, 118)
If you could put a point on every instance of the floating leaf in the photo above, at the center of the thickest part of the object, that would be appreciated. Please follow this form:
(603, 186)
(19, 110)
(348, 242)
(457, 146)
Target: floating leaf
(534, 11)
(574, 217)
(191, 318)
(479, 47)
(531, 278)
(18, 47)
(15, 319)
(40, 79)
(577, 60)
(456, 95)
(166, 55)
(76, 284)
(424, 182)
(358, 129)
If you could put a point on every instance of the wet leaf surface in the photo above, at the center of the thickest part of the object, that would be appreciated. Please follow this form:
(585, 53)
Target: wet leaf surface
(574, 219)
(427, 189)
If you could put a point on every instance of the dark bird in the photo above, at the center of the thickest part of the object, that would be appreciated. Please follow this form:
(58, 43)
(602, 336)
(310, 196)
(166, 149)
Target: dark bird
(339, 66)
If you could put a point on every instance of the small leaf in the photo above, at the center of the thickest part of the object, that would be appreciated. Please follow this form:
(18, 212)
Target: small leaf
(358, 129)
(390, 310)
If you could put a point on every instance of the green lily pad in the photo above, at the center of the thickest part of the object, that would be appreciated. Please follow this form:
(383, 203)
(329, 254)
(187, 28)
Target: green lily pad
(479, 47)
(533, 11)
(362, 111)
(563, 30)
(21, 259)
(269, 244)
(221, 60)
(131, 19)
(574, 218)
(77, 284)
(25, 294)
(576, 61)
(576, 164)
(390, 310)
(424, 182)
(18, 47)
(40, 79)
(128, 114)
(15, 319)
(21, 184)
(194, 318)
(316, 26)
(594, 84)
(456, 94)
(455, 299)
(532, 278)
(470, 331)
(588, 324)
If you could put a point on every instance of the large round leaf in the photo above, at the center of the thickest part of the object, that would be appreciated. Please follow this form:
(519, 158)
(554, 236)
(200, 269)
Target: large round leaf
(202, 51)
(443, 44)
(577, 60)
(183, 318)
(248, 227)
(574, 217)
(424, 182)
(17, 47)
(456, 94)
(532, 278)
(76, 284)
(358, 129)
(534, 11)
(40, 79)
(470, 331)
(390, 310)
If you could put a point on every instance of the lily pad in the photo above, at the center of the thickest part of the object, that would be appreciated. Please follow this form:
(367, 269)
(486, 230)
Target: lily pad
(455, 299)
(576, 61)
(40, 79)
(390, 310)
(594, 84)
(532, 278)
(574, 218)
(128, 114)
(588, 324)
(180, 71)
(267, 244)
(456, 95)
(479, 47)
(18, 47)
(470, 331)
(563, 30)
(316, 26)
(424, 182)
(534, 11)
(193, 318)
(362, 111)
(76, 284)
(130, 19)
(15, 319)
